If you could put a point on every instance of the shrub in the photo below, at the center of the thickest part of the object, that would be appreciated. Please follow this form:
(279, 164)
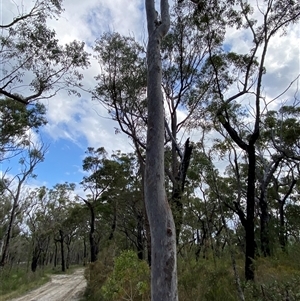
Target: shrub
(130, 279)
(206, 280)
(97, 273)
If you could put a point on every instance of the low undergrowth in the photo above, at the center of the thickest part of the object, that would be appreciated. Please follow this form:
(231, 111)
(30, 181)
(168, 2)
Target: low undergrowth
(17, 281)
(125, 277)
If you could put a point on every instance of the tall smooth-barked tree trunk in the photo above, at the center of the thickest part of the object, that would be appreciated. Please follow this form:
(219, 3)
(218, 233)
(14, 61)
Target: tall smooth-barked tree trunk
(163, 233)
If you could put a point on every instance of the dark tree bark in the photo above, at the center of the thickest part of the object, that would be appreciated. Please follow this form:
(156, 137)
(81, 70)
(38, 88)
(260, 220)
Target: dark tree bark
(263, 203)
(35, 257)
(68, 256)
(93, 243)
(84, 252)
(62, 251)
(282, 231)
(249, 222)
(139, 242)
(114, 223)
(55, 255)
(9, 230)
(264, 227)
(178, 184)
(250, 238)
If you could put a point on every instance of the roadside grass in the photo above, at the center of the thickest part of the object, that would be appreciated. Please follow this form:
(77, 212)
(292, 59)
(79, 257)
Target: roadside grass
(16, 281)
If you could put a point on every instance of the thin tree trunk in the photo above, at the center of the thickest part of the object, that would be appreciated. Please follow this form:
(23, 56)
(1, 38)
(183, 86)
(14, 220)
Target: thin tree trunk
(282, 234)
(148, 237)
(264, 226)
(282, 237)
(162, 227)
(263, 203)
(179, 175)
(250, 239)
(146, 220)
(228, 239)
(139, 242)
(55, 255)
(62, 251)
(35, 257)
(84, 252)
(114, 223)
(93, 243)
(68, 256)
(9, 230)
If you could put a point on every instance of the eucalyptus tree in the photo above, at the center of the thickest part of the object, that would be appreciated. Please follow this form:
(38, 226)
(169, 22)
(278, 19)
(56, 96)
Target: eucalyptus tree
(289, 209)
(280, 136)
(107, 185)
(55, 208)
(201, 215)
(122, 89)
(36, 217)
(128, 205)
(76, 227)
(60, 199)
(244, 74)
(162, 226)
(278, 155)
(284, 190)
(122, 84)
(184, 52)
(92, 185)
(75, 231)
(32, 57)
(13, 187)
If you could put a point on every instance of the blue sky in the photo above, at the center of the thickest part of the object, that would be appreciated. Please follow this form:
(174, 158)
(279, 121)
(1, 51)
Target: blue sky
(74, 123)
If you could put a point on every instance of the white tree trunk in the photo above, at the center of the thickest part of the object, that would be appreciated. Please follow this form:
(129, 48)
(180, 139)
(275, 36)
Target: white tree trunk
(163, 234)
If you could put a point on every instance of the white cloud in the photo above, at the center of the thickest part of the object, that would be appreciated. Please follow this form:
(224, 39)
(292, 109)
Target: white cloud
(87, 20)
(78, 119)
(86, 122)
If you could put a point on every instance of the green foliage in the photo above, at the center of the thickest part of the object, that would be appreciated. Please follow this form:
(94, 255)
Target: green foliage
(18, 280)
(29, 47)
(124, 61)
(283, 127)
(283, 290)
(205, 280)
(129, 280)
(15, 120)
(276, 278)
(97, 273)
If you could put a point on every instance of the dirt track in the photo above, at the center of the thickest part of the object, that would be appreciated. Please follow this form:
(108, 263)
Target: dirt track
(60, 288)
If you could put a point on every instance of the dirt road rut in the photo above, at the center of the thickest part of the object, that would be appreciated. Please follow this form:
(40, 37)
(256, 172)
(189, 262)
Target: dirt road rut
(60, 288)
